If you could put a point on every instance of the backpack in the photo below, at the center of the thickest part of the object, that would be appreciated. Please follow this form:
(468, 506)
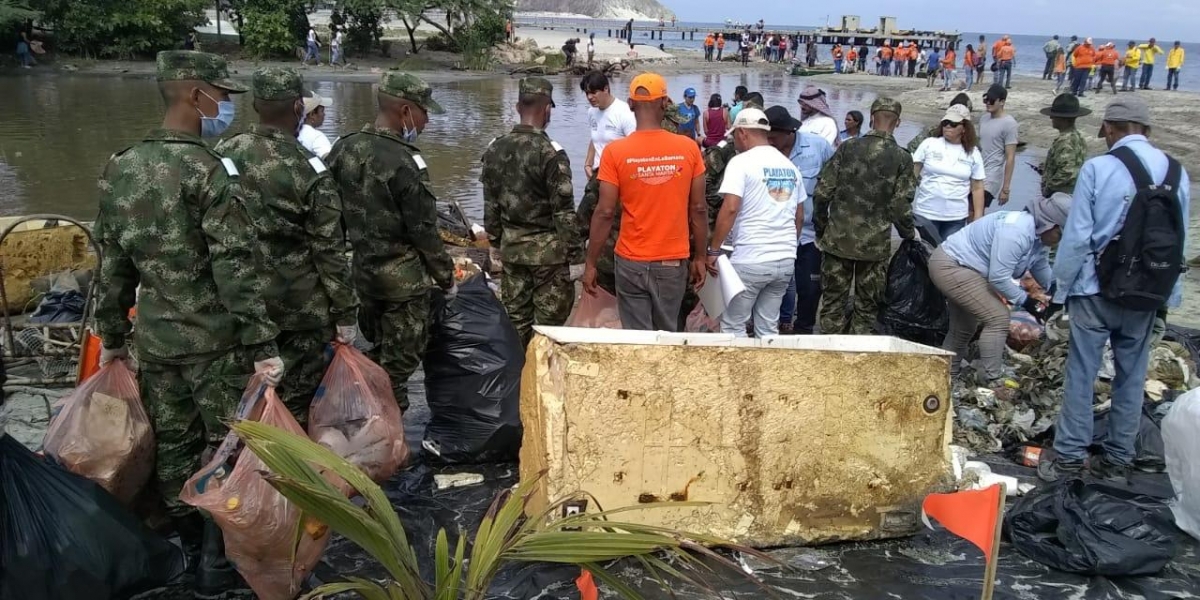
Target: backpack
(1138, 269)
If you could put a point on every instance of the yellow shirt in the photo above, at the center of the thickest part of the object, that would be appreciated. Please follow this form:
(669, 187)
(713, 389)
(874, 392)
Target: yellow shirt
(1175, 58)
(1148, 53)
(1133, 58)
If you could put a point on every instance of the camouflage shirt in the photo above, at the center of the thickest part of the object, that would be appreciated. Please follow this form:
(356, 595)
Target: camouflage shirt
(172, 219)
(716, 158)
(1066, 156)
(529, 201)
(587, 208)
(391, 215)
(864, 189)
(295, 204)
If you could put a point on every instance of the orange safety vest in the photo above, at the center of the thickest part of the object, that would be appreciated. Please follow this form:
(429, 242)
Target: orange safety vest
(720, 42)
(708, 42)
(852, 54)
(948, 62)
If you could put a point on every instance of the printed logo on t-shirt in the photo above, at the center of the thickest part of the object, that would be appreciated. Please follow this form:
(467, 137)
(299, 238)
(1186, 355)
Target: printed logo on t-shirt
(780, 182)
(655, 170)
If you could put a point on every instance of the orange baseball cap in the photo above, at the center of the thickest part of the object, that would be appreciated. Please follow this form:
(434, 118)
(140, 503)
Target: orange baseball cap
(653, 83)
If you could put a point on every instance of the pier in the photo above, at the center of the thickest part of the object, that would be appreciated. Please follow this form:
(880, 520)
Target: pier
(850, 32)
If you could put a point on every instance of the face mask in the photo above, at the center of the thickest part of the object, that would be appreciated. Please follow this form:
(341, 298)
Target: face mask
(300, 116)
(410, 135)
(214, 126)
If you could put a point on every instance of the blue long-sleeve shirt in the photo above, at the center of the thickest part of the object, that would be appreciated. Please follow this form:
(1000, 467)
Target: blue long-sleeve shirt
(1101, 200)
(809, 153)
(1002, 246)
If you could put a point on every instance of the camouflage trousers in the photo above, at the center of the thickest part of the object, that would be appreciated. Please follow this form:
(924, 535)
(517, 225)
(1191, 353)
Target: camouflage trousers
(536, 295)
(867, 279)
(188, 405)
(305, 358)
(400, 331)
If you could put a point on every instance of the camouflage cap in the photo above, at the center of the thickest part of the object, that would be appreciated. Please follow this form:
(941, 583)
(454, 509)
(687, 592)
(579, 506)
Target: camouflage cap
(537, 86)
(189, 65)
(409, 87)
(884, 103)
(675, 115)
(277, 83)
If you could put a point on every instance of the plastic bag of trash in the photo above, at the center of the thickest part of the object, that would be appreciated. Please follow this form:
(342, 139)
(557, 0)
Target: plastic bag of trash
(473, 379)
(104, 434)
(1023, 330)
(1093, 529)
(698, 321)
(599, 311)
(62, 537)
(355, 415)
(1148, 445)
(914, 308)
(264, 535)
(1183, 460)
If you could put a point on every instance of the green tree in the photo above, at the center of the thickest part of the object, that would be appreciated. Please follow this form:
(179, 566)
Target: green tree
(13, 12)
(362, 23)
(270, 27)
(120, 28)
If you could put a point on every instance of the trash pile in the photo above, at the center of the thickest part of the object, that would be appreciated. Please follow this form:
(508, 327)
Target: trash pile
(992, 419)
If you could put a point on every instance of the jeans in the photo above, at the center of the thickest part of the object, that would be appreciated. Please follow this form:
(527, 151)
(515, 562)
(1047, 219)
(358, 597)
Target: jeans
(948, 77)
(1172, 79)
(808, 287)
(1079, 79)
(887, 67)
(970, 74)
(312, 53)
(837, 66)
(1049, 67)
(336, 59)
(1095, 321)
(936, 232)
(765, 284)
(1147, 71)
(1128, 82)
(972, 300)
(1107, 73)
(1005, 73)
(1058, 80)
(650, 294)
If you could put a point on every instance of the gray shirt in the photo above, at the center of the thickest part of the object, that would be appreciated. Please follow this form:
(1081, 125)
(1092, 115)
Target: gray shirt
(994, 135)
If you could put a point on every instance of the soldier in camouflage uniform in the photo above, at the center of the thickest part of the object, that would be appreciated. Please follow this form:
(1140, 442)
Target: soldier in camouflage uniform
(172, 219)
(1068, 151)
(716, 158)
(529, 213)
(294, 201)
(864, 189)
(391, 216)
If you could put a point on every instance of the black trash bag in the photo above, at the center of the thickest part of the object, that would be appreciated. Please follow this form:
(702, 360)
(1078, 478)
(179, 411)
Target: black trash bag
(1149, 451)
(1093, 529)
(914, 307)
(473, 379)
(63, 537)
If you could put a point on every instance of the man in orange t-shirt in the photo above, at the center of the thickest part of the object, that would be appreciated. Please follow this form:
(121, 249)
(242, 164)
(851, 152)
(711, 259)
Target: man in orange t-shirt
(1107, 58)
(709, 42)
(1082, 61)
(720, 45)
(1004, 55)
(885, 56)
(657, 177)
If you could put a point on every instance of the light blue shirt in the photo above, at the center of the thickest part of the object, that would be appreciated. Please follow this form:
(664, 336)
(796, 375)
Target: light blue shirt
(1101, 199)
(809, 153)
(1002, 246)
(733, 113)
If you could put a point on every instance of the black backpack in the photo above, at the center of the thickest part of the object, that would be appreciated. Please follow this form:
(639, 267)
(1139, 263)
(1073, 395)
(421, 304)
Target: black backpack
(1139, 267)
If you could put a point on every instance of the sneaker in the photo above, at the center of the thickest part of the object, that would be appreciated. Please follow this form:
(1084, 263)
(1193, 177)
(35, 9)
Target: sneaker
(1055, 468)
(1102, 467)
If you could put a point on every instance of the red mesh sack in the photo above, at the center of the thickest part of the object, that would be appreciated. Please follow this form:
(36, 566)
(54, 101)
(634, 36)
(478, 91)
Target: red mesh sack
(355, 414)
(259, 524)
(102, 432)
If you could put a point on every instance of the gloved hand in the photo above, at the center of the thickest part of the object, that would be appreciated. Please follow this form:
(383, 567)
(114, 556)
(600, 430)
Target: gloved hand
(451, 292)
(108, 355)
(271, 369)
(576, 272)
(1033, 307)
(346, 334)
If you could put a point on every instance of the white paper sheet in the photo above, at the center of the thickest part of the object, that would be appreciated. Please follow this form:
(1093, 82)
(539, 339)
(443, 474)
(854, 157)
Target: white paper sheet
(717, 292)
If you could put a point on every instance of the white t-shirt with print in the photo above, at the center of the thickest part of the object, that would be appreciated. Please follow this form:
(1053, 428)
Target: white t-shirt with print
(771, 188)
(610, 124)
(945, 187)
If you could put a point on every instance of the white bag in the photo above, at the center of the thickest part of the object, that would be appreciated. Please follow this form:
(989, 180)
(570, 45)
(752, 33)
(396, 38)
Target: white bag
(1183, 460)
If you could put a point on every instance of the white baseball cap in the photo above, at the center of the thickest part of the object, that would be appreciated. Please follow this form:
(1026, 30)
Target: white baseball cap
(312, 100)
(752, 118)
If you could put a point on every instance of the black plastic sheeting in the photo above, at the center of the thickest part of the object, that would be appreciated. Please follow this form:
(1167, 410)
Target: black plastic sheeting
(932, 565)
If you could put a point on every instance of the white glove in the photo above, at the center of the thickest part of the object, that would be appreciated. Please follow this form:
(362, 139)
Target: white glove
(576, 272)
(452, 292)
(346, 334)
(271, 369)
(107, 355)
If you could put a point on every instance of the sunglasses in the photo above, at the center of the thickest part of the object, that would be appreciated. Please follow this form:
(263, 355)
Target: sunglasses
(987, 100)
(951, 124)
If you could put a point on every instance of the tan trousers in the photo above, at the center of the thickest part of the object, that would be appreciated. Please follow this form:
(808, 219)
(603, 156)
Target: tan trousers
(971, 301)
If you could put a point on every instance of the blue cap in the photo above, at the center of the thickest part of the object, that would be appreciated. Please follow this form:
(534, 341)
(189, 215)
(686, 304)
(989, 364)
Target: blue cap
(689, 93)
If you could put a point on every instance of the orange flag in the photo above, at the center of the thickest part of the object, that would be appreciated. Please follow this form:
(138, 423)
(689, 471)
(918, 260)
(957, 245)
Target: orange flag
(587, 587)
(970, 515)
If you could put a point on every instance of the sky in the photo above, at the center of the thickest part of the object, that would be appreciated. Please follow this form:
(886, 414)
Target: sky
(1164, 19)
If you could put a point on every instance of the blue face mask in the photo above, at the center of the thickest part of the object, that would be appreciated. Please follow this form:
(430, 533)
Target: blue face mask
(214, 126)
(410, 135)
